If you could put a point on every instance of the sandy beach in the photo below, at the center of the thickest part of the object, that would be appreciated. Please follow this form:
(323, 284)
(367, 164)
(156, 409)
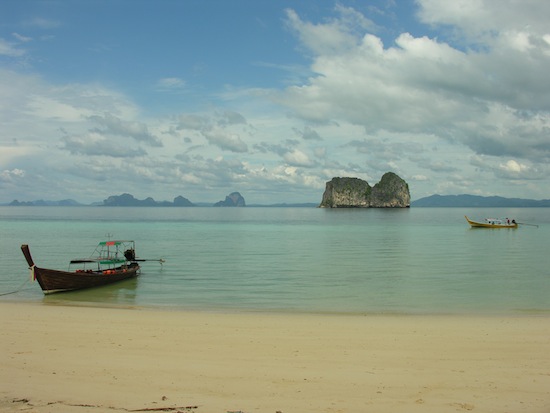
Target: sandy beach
(82, 359)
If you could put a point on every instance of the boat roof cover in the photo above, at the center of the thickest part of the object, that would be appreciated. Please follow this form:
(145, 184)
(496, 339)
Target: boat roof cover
(111, 243)
(103, 255)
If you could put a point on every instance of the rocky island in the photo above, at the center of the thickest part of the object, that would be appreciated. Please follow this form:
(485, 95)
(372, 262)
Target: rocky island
(234, 199)
(390, 192)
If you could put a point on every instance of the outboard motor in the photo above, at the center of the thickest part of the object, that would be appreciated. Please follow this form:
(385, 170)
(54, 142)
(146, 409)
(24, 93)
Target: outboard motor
(130, 255)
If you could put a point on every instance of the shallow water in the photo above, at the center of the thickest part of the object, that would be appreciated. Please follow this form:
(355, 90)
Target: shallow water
(417, 260)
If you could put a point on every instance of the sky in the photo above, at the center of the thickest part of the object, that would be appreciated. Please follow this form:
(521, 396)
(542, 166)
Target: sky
(201, 98)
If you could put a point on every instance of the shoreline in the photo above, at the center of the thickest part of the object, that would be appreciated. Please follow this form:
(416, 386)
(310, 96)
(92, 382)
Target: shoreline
(55, 300)
(59, 358)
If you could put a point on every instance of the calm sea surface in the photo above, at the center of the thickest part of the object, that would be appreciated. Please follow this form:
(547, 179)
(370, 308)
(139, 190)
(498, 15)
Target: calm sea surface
(406, 261)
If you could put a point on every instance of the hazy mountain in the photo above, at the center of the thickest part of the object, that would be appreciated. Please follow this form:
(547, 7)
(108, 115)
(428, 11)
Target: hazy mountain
(126, 200)
(477, 201)
(40, 202)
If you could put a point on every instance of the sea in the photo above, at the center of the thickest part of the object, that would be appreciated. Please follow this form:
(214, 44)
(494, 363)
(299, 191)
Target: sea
(292, 260)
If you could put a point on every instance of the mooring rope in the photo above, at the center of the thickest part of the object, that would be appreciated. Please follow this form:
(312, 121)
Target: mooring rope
(16, 291)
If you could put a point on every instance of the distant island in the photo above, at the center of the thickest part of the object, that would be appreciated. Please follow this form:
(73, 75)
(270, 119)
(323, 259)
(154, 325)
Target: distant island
(126, 200)
(433, 201)
(234, 199)
(41, 202)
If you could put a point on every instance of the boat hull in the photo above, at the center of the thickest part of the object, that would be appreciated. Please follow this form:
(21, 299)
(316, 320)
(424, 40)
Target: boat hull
(55, 281)
(476, 224)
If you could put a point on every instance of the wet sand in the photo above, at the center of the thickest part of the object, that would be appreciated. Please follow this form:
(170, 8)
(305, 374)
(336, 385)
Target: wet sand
(84, 359)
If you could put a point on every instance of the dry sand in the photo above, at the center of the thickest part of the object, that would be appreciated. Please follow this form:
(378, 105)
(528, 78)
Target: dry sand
(76, 359)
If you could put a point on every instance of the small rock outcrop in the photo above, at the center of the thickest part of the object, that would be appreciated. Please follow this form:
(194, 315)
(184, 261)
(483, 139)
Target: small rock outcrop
(180, 201)
(232, 200)
(390, 192)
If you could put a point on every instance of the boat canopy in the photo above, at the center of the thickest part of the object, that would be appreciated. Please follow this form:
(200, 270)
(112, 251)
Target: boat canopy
(114, 243)
(110, 253)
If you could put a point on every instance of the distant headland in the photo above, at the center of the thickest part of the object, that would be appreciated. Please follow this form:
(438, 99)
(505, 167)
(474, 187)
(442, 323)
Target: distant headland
(475, 201)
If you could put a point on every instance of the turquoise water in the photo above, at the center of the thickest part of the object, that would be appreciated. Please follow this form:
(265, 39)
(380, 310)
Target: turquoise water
(411, 261)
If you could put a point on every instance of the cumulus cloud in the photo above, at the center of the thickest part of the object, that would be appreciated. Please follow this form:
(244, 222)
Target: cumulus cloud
(8, 175)
(138, 131)
(511, 170)
(336, 35)
(22, 38)
(225, 140)
(10, 49)
(216, 172)
(297, 158)
(487, 20)
(466, 111)
(41, 23)
(309, 134)
(54, 108)
(230, 117)
(515, 170)
(170, 84)
(192, 121)
(494, 99)
(95, 144)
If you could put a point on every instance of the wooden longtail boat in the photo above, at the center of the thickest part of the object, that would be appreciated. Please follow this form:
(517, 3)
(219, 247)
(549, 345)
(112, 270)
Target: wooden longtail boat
(111, 262)
(493, 223)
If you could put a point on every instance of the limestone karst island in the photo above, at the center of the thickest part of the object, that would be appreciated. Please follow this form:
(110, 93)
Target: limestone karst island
(390, 192)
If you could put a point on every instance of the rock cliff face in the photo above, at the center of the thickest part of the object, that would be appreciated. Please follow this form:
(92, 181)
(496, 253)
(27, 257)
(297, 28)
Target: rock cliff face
(232, 200)
(390, 192)
(182, 202)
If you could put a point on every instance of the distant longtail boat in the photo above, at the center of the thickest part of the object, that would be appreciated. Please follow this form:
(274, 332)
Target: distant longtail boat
(493, 223)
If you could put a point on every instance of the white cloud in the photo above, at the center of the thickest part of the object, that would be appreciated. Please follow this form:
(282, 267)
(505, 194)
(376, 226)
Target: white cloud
(327, 38)
(513, 166)
(297, 158)
(192, 121)
(95, 144)
(135, 130)
(10, 49)
(309, 134)
(467, 111)
(170, 83)
(21, 38)
(225, 140)
(10, 174)
(424, 85)
(230, 117)
(51, 108)
(42, 23)
(486, 19)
